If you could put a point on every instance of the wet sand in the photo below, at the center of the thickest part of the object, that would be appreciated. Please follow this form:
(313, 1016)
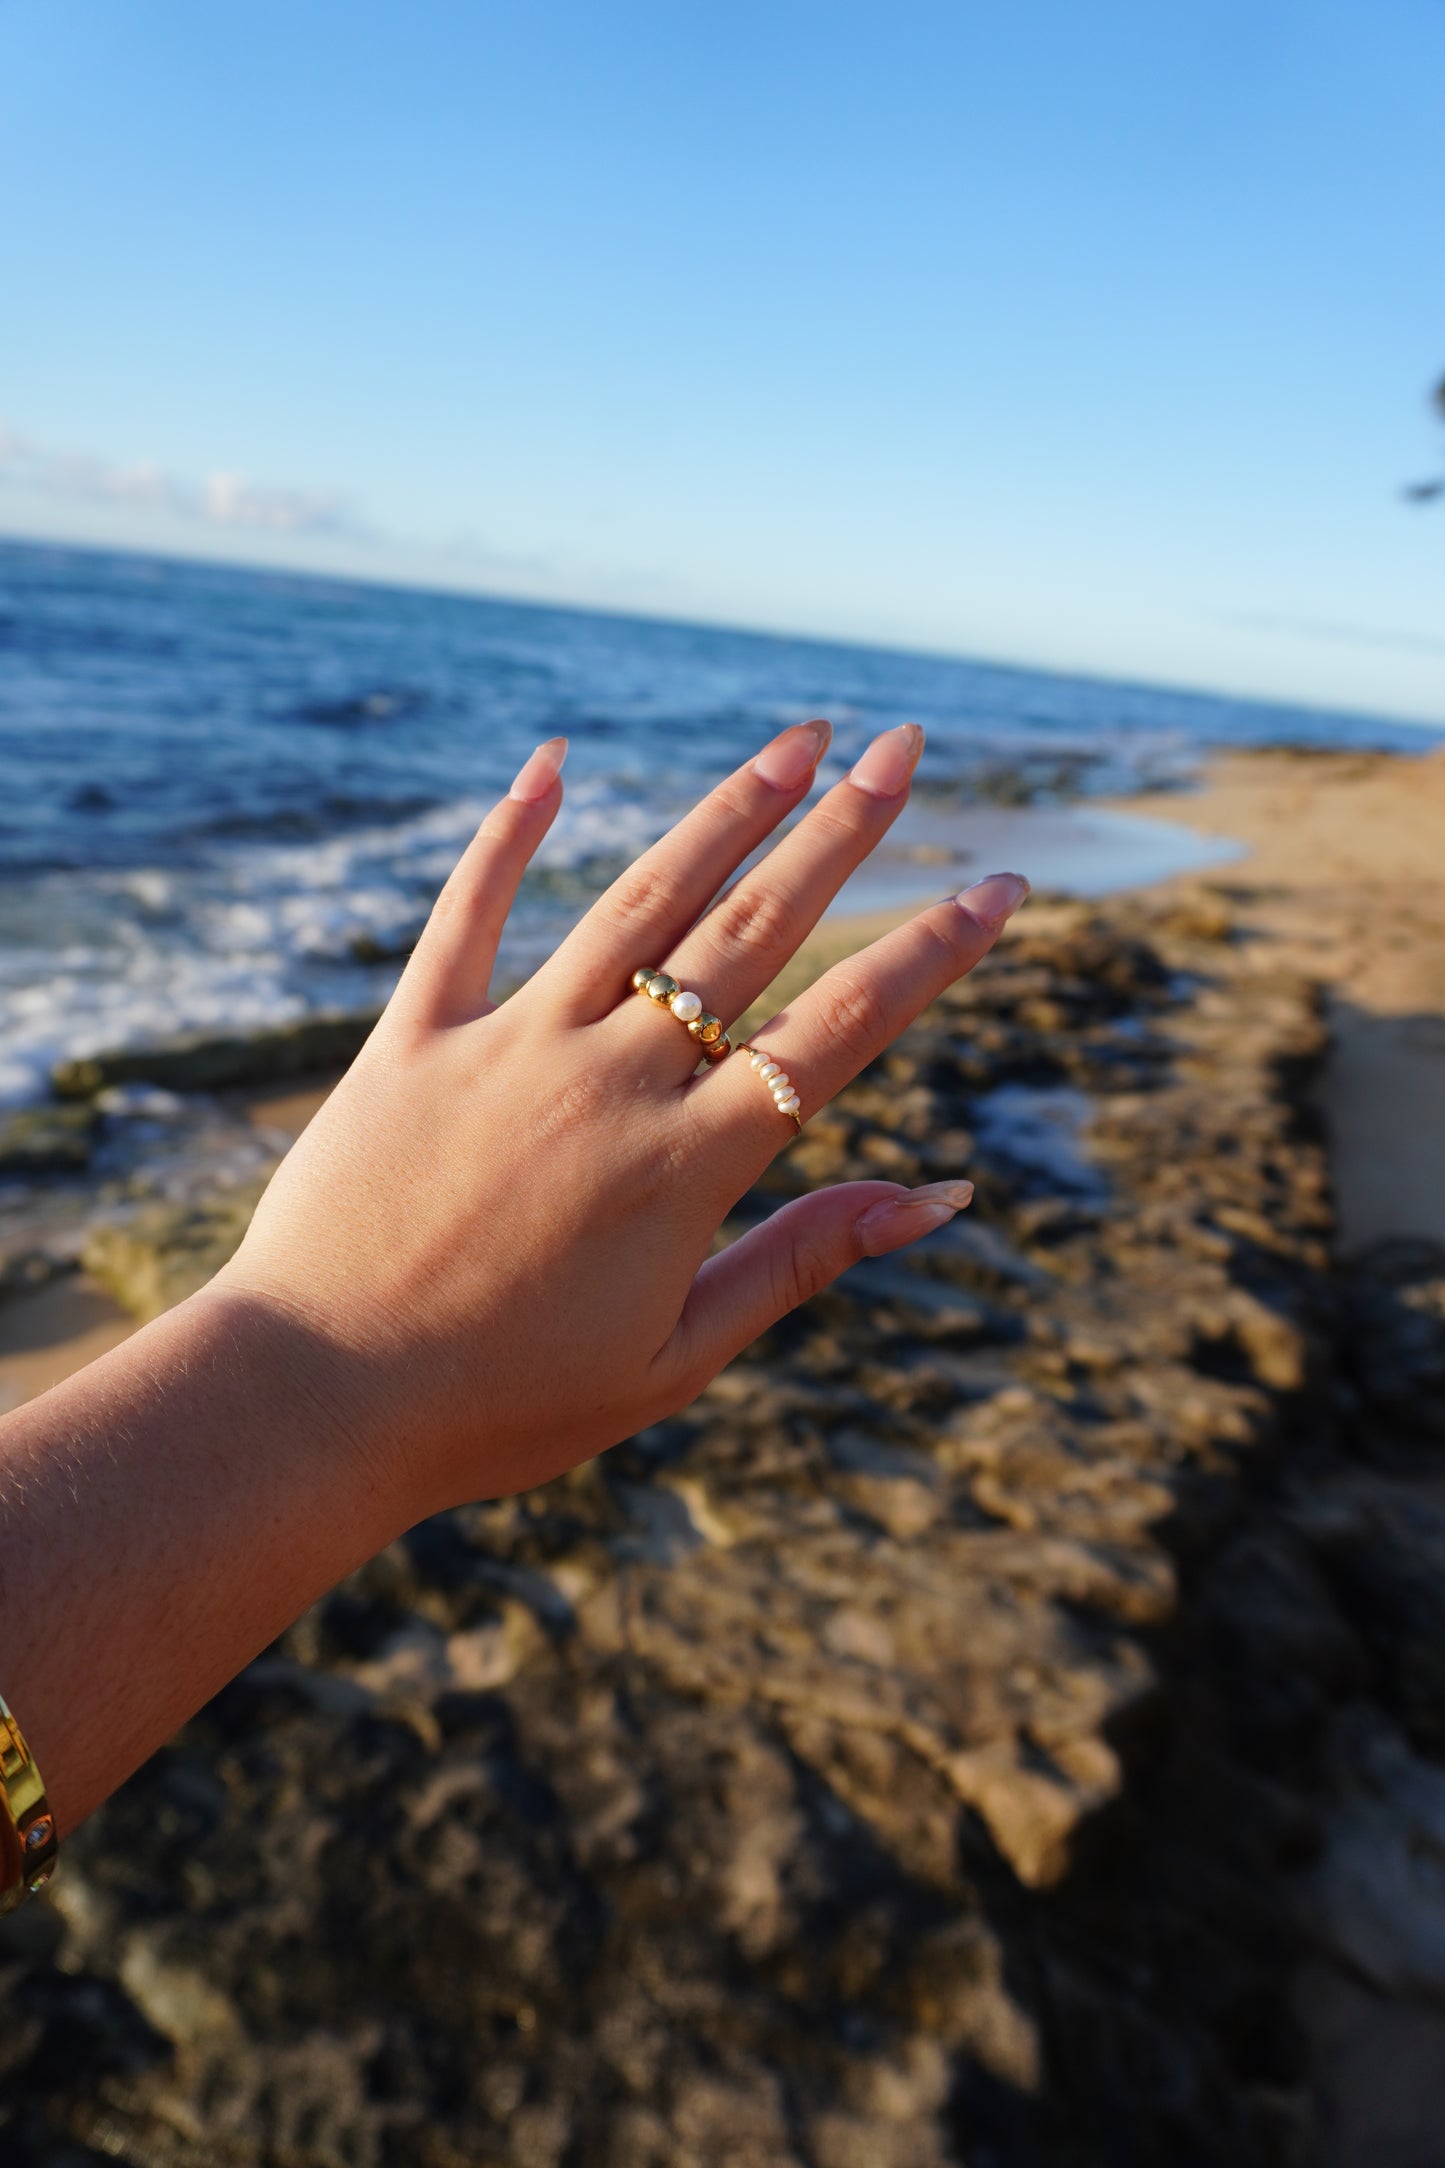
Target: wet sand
(1345, 880)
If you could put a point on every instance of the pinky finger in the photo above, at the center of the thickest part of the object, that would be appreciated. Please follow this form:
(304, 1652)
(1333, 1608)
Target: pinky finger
(451, 967)
(795, 1254)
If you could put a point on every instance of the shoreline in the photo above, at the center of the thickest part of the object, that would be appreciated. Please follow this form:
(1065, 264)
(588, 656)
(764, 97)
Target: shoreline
(1295, 850)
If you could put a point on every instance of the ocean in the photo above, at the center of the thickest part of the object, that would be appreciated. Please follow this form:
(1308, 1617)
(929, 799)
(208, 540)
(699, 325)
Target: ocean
(230, 796)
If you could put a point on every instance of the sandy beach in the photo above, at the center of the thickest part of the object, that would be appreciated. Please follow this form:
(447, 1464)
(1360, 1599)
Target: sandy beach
(1345, 881)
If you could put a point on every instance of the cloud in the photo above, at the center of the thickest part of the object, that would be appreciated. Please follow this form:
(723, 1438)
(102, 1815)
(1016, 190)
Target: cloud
(461, 558)
(1402, 639)
(221, 500)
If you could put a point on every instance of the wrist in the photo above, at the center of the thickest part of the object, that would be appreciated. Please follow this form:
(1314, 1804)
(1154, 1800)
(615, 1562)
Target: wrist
(169, 1510)
(326, 1397)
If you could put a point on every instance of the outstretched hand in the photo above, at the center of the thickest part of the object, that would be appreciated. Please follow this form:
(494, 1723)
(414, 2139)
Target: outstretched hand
(500, 1225)
(487, 1258)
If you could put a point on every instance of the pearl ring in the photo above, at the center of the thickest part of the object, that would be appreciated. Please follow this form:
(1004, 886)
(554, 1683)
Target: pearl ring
(687, 1008)
(779, 1083)
(713, 1040)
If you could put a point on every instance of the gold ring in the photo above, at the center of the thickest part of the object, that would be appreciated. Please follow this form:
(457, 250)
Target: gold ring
(779, 1083)
(713, 1041)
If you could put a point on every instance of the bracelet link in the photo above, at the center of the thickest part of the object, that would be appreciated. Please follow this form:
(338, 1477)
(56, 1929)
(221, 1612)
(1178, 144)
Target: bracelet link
(28, 1844)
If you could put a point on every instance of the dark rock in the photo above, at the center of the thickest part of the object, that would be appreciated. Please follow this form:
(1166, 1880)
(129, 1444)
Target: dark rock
(1395, 1299)
(206, 1061)
(37, 1140)
(895, 1757)
(1382, 1548)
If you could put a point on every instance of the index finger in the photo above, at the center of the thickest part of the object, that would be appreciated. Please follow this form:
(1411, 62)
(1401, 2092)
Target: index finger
(649, 907)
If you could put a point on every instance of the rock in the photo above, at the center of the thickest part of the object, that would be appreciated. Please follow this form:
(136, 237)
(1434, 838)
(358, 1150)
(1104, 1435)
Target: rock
(1396, 1323)
(873, 1762)
(26, 1267)
(1376, 1899)
(205, 1061)
(1382, 1549)
(163, 1252)
(36, 1140)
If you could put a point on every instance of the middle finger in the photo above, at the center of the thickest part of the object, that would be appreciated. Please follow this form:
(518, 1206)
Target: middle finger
(738, 948)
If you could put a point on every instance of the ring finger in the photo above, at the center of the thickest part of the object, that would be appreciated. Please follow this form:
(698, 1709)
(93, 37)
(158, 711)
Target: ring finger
(855, 1010)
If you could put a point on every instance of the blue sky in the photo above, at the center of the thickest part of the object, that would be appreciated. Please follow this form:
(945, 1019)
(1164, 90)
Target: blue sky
(1093, 337)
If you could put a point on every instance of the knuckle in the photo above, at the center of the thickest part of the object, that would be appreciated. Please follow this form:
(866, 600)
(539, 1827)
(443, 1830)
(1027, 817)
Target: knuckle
(804, 1270)
(853, 1017)
(756, 920)
(951, 947)
(733, 799)
(578, 1104)
(837, 823)
(643, 895)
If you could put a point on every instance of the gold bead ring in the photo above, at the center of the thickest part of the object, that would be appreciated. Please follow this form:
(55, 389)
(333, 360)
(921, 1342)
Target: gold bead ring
(713, 1042)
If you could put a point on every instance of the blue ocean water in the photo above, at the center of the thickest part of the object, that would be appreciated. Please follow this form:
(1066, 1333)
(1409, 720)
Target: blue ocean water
(230, 796)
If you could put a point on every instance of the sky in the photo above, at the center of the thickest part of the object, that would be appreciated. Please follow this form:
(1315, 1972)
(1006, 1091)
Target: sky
(1096, 338)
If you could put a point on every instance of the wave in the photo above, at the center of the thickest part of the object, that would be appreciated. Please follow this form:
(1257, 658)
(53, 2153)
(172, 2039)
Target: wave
(263, 933)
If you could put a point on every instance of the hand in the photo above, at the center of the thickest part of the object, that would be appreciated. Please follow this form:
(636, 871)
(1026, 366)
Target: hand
(500, 1222)
(487, 1258)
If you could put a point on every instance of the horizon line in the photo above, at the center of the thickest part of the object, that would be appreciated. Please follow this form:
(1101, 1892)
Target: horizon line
(396, 584)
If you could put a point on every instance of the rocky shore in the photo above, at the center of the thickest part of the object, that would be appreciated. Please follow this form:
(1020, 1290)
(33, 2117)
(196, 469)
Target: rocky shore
(999, 1724)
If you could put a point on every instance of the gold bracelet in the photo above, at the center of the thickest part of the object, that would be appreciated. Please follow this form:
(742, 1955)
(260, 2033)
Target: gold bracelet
(27, 1827)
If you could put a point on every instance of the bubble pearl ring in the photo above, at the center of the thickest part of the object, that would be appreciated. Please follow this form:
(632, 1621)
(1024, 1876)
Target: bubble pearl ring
(779, 1083)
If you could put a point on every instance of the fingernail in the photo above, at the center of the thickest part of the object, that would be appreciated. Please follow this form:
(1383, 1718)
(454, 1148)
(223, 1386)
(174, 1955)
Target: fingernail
(791, 759)
(897, 1220)
(539, 772)
(996, 897)
(887, 766)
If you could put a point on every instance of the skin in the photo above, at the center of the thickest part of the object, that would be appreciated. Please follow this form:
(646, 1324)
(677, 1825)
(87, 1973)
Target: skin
(487, 1259)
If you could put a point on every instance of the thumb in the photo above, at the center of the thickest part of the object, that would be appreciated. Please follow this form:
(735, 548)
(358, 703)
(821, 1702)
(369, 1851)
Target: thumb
(795, 1254)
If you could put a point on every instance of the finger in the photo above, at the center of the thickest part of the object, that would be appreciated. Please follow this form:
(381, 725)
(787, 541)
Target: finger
(649, 907)
(451, 967)
(859, 1007)
(742, 944)
(795, 1254)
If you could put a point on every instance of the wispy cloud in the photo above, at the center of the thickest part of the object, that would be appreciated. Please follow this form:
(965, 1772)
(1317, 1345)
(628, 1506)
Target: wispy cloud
(220, 500)
(462, 557)
(1404, 639)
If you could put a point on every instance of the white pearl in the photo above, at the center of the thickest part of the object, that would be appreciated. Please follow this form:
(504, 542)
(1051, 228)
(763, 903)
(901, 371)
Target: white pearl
(685, 1007)
(790, 1105)
(757, 1059)
(780, 1085)
(770, 1068)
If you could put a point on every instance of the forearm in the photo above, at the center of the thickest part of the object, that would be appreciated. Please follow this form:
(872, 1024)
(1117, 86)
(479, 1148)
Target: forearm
(163, 1516)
